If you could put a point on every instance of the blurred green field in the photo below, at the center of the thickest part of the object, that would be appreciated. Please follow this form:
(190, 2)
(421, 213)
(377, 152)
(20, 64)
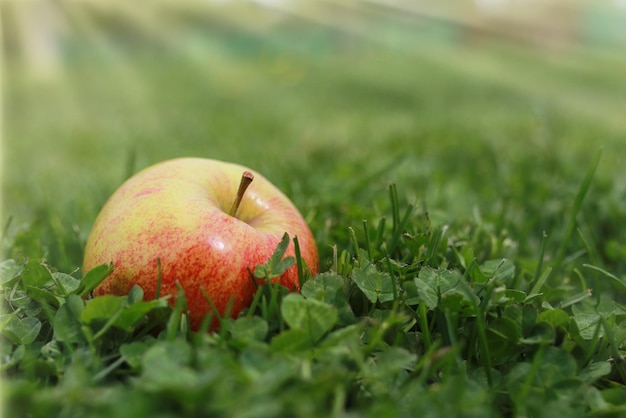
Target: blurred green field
(331, 113)
(484, 132)
(302, 101)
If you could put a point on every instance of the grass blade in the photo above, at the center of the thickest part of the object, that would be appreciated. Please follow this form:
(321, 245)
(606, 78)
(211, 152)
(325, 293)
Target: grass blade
(578, 203)
(611, 276)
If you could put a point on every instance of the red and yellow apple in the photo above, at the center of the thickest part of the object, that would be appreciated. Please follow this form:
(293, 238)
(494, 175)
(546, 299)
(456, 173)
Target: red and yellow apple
(196, 217)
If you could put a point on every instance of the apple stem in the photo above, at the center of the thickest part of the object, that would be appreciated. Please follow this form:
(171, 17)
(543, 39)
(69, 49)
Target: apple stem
(246, 179)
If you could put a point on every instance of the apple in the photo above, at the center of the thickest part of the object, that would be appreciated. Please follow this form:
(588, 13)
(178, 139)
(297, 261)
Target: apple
(207, 223)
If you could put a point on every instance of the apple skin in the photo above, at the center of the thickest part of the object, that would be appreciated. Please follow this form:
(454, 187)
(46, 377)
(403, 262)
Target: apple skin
(177, 212)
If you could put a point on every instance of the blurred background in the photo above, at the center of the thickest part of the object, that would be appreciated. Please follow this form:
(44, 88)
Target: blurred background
(487, 105)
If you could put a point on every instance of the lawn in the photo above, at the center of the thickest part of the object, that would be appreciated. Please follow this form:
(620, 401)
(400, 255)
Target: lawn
(465, 192)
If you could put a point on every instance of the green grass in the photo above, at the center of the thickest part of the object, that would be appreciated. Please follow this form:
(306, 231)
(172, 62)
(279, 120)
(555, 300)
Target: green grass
(467, 200)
